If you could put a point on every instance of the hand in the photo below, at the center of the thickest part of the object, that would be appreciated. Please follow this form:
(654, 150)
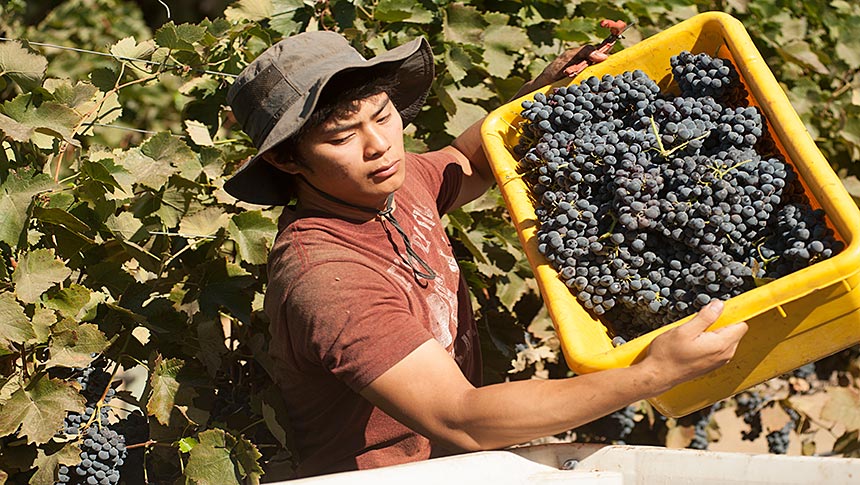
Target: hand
(689, 350)
(555, 70)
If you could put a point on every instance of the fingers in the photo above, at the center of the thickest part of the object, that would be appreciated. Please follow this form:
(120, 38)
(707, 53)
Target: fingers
(598, 56)
(582, 53)
(733, 332)
(706, 316)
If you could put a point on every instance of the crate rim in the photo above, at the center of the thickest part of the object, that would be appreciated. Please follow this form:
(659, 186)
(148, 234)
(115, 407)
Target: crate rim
(821, 274)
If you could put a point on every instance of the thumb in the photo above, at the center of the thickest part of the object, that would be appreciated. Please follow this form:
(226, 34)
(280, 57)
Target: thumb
(706, 316)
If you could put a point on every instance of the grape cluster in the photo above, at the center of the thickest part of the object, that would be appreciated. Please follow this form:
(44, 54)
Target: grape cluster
(102, 448)
(749, 408)
(135, 428)
(804, 371)
(700, 440)
(626, 421)
(778, 440)
(703, 75)
(650, 204)
(616, 427)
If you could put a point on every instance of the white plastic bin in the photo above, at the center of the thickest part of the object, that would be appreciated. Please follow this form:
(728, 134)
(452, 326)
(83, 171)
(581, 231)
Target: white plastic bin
(590, 464)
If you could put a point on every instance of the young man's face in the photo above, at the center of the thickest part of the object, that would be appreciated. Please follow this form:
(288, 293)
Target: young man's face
(359, 157)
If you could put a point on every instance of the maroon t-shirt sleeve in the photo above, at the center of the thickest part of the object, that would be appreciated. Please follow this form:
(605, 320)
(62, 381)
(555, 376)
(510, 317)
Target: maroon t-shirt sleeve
(441, 174)
(348, 319)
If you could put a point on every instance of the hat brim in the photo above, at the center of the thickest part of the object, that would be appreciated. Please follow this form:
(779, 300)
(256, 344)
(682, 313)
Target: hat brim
(259, 182)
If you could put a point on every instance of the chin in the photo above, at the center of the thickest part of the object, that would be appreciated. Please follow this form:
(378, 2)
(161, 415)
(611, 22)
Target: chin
(395, 181)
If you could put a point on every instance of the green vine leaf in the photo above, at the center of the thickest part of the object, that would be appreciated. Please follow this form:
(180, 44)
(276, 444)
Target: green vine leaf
(59, 217)
(87, 101)
(16, 194)
(39, 408)
(286, 18)
(46, 463)
(848, 47)
(250, 10)
(126, 227)
(36, 272)
(500, 42)
(179, 37)
(49, 120)
(402, 11)
(69, 302)
(15, 326)
(463, 24)
(24, 67)
(466, 114)
(101, 172)
(843, 406)
(247, 458)
(512, 290)
(217, 457)
(210, 335)
(226, 289)
(253, 233)
(574, 29)
(199, 133)
(209, 462)
(43, 319)
(105, 78)
(14, 130)
(142, 169)
(164, 383)
(129, 48)
(187, 444)
(204, 223)
(73, 344)
(167, 150)
(458, 62)
(801, 53)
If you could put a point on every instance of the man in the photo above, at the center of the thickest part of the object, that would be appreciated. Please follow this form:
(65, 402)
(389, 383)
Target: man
(373, 338)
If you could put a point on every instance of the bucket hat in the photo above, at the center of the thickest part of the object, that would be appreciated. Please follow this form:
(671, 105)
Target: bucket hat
(276, 94)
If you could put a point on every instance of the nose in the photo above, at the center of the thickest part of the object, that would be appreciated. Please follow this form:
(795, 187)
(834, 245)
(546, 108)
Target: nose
(376, 142)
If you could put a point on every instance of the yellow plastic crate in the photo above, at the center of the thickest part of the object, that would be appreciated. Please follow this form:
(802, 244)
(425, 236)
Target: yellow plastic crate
(793, 320)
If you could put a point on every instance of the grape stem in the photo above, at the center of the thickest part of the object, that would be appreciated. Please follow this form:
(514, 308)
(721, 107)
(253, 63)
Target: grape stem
(662, 149)
(722, 173)
(146, 444)
(611, 229)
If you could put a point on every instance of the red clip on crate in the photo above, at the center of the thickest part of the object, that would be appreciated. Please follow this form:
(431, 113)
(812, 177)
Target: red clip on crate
(793, 320)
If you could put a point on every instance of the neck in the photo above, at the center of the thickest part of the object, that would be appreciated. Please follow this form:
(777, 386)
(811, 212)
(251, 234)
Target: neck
(312, 198)
(318, 199)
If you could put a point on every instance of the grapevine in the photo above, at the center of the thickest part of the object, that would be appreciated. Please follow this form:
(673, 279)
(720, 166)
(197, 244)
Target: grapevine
(137, 237)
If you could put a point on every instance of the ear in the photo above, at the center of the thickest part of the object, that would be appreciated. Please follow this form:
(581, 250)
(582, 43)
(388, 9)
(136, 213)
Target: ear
(287, 165)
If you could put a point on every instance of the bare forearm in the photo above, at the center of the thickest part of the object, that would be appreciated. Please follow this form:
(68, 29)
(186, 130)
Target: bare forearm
(506, 414)
(427, 391)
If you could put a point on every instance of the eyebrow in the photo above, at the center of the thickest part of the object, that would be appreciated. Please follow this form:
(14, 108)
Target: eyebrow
(336, 127)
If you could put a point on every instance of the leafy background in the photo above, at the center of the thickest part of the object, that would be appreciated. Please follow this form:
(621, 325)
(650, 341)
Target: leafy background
(118, 240)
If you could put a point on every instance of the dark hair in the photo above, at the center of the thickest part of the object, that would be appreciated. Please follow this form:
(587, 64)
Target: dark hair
(341, 96)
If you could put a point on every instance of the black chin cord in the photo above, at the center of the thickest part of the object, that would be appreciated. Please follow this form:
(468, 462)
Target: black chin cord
(412, 256)
(388, 214)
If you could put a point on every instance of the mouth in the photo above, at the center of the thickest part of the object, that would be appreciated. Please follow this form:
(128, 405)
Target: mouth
(386, 170)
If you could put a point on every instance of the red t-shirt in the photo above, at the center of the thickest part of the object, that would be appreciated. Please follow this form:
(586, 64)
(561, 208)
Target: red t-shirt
(345, 307)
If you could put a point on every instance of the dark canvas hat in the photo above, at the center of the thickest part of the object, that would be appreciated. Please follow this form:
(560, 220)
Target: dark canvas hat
(276, 94)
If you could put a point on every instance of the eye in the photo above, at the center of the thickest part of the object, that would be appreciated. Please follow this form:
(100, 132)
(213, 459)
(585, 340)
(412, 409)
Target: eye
(340, 140)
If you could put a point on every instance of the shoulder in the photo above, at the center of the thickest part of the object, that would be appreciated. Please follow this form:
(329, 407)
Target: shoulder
(435, 163)
(439, 172)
